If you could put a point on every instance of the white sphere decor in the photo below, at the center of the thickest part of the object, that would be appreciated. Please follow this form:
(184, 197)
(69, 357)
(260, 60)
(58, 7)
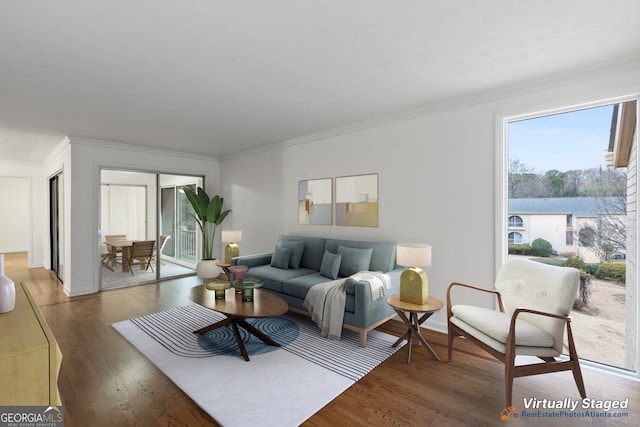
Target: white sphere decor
(207, 269)
(7, 290)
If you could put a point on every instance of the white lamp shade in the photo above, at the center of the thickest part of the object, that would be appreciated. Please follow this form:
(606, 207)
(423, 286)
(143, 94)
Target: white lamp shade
(413, 255)
(232, 236)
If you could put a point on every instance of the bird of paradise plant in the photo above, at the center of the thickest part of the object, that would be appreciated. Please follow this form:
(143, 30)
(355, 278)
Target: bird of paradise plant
(208, 214)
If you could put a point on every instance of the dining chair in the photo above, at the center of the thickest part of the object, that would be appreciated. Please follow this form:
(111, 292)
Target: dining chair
(106, 257)
(141, 254)
(534, 302)
(161, 242)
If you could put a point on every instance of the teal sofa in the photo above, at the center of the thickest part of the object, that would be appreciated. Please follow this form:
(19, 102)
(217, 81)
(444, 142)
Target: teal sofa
(292, 280)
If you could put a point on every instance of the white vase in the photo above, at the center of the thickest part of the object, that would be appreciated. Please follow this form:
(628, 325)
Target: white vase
(207, 269)
(7, 290)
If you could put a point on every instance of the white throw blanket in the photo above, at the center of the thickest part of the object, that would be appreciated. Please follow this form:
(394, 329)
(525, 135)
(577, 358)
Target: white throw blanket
(380, 283)
(326, 301)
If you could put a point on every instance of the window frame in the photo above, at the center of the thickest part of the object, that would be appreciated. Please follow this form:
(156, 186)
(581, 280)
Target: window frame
(501, 191)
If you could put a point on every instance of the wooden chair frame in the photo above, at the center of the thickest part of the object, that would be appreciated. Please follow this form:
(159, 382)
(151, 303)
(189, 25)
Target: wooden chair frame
(106, 259)
(158, 248)
(549, 364)
(143, 252)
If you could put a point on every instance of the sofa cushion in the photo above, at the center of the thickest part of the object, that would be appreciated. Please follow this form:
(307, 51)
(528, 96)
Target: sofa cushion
(299, 286)
(273, 278)
(354, 260)
(383, 257)
(281, 257)
(330, 265)
(313, 250)
(297, 249)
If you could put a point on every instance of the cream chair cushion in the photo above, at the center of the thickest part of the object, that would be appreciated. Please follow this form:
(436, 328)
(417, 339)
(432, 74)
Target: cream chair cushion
(522, 350)
(496, 325)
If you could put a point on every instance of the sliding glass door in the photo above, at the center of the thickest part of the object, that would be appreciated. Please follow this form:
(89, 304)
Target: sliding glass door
(147, 206)
(177, 221)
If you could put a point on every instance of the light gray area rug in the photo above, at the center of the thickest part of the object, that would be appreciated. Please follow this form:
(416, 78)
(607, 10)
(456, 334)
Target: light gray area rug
(279, 386)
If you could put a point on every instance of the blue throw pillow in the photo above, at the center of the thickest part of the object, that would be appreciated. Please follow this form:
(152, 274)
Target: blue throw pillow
(281, 257)
(296, 252)
(354, 260)
(330, 265)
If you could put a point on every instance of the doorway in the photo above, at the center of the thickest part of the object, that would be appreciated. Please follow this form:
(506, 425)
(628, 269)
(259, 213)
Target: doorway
(562, 188)
(145, 206)
(176, 221)
(55, 226)
(15, 234)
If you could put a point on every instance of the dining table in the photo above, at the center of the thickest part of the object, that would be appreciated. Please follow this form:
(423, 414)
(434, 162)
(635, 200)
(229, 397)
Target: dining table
(124, 246)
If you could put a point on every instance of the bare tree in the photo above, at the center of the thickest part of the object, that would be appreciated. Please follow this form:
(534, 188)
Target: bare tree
(611, 185)
(611, 234)
(607, 182)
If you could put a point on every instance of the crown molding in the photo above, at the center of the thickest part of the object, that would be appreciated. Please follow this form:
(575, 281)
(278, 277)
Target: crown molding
(57, 150)
(627, 63)
(114, 145)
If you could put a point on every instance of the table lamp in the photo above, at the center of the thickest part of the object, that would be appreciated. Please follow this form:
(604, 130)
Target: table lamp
(414, 285)
(232, 237)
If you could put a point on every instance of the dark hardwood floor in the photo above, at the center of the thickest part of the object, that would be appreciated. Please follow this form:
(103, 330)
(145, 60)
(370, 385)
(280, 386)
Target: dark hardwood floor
(104, 381)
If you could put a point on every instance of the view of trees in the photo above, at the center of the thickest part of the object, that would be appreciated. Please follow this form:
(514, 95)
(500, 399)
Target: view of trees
(594, 182)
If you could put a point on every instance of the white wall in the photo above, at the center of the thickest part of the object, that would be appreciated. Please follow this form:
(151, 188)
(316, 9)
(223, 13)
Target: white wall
(82, 170)
(14, 224)
(437, 173)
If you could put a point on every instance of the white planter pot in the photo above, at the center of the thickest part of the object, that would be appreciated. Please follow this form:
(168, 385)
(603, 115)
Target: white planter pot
(207, 269)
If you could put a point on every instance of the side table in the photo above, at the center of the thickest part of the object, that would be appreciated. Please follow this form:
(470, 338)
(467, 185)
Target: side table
(413, 321)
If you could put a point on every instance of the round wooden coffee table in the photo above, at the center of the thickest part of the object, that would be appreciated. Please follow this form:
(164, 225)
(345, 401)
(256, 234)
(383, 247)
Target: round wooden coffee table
(236, 310)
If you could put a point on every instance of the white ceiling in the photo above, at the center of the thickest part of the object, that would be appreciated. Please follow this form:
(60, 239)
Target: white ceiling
(216, 77)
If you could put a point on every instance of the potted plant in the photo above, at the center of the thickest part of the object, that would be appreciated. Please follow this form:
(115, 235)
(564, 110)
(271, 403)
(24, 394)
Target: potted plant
(208, 215)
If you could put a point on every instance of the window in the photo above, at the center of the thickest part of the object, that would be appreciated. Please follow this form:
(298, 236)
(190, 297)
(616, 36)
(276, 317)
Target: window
(515, 222)
(515, 238)
(559, 158)
(587, 237)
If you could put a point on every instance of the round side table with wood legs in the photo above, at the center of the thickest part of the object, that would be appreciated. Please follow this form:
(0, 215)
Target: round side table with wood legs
(413, 321)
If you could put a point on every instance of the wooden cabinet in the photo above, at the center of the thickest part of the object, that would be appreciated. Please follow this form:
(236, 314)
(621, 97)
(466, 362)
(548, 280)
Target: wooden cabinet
(29, 355)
